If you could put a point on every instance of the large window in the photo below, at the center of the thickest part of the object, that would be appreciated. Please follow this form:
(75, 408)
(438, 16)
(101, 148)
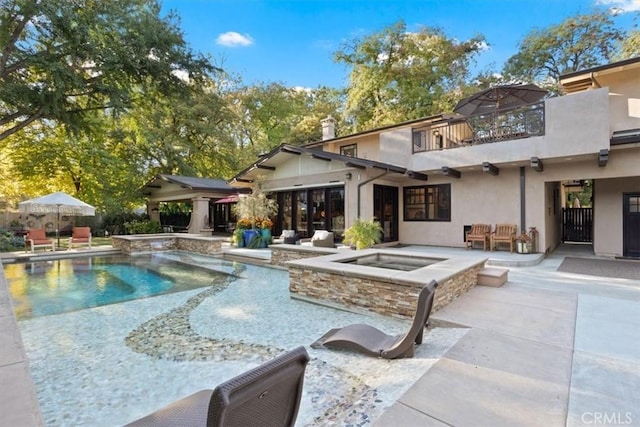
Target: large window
(307, 210)
(427, 203)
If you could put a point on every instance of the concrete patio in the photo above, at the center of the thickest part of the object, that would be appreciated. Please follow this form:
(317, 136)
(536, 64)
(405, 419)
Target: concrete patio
(548, 348)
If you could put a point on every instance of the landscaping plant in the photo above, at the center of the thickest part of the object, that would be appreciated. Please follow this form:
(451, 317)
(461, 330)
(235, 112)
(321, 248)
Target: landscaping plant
(363, 233)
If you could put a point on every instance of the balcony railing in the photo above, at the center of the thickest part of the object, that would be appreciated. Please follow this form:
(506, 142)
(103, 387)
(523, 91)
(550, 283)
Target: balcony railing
(502, 125)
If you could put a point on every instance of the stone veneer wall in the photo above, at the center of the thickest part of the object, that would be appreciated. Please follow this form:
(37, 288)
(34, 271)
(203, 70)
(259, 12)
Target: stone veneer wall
(197, 244)
(391, 299)
(282, 253)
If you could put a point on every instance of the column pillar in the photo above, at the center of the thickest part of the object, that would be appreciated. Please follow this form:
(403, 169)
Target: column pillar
(200, 221)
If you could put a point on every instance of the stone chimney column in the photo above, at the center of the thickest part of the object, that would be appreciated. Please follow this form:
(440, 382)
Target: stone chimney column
(328, 128)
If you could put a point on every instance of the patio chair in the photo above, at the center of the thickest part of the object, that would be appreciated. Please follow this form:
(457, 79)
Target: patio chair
(80, 236)
(288, 237)
(320, 238)
(37, 238)
(268, 395)
(478, 233)
(504, 233)
(373, 342)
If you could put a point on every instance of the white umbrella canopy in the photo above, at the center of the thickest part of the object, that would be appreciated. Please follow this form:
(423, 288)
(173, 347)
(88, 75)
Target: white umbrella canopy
(58, 203)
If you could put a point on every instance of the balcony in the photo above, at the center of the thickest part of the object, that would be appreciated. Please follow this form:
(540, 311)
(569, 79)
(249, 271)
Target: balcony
(503, 125)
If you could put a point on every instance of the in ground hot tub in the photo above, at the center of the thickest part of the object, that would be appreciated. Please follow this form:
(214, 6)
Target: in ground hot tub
(392, 262)
(385, 281)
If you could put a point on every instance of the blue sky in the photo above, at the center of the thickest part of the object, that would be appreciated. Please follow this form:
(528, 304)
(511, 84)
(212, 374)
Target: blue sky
(292, 42)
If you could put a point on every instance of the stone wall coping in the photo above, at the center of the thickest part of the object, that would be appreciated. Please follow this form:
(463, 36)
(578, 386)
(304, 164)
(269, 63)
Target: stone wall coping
(439, 271)
(168, 236)
(305, 249)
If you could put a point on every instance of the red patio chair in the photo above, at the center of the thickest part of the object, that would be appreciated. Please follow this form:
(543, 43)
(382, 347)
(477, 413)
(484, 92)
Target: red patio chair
(37, 238)
(80, 236)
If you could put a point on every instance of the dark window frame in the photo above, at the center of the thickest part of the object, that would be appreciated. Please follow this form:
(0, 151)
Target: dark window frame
(417, 205)
(344, 150)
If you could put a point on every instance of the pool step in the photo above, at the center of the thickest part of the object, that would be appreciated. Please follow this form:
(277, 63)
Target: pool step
(494, 277)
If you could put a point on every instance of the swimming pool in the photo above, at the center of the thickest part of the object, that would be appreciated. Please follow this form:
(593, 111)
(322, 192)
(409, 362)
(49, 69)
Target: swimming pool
(109, 365)
(57, 286)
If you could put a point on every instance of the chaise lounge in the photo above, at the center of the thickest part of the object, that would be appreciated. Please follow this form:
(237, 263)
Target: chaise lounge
(37, 238)
(478, 233)
(373, 342)
(268, 395)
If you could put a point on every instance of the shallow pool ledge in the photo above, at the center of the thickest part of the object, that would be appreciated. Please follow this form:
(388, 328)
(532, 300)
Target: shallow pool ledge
(385, 291)
(143, 243)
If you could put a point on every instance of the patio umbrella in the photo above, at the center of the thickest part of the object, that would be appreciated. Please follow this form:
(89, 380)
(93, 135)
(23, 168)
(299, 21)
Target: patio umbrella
(58, 203)
(498, 98)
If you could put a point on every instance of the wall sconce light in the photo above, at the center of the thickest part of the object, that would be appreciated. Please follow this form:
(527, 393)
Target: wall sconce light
(438, 139)
(348, 176)
(154, 210)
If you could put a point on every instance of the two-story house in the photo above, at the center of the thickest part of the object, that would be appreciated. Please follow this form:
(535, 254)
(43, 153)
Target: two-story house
(428, 180)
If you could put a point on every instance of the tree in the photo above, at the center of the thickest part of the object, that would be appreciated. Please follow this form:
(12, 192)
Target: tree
(61, 59)
(267, 115)
(629, 46)
(577, 43)
(98, 167)
(183, 134)
(398, 75)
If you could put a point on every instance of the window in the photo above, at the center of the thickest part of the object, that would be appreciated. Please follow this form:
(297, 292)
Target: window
(428, 139)
(419, 141)
(349, 150)
(427, 203)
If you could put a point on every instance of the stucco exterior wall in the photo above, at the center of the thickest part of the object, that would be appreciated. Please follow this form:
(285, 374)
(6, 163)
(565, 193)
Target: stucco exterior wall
(608, 230)
(474, 199)
(624, 88)
(396, 146)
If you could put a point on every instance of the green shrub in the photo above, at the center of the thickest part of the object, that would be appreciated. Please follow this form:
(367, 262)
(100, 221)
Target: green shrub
(363, 233)
(9, 242)
(143, 227)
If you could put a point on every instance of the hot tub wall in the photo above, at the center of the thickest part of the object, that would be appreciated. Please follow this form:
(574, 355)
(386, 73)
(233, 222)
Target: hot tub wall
(379, 296)
(167, 242)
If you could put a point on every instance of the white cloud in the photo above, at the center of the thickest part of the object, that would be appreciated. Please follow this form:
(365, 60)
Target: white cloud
(623, 5)
(233, 39)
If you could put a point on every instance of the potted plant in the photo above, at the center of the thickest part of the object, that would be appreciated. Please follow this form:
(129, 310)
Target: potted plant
(265, 230)
(253, 208)
(363, 233)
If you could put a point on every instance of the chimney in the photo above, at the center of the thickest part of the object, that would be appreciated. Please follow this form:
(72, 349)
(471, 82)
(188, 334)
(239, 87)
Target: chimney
(328, 128)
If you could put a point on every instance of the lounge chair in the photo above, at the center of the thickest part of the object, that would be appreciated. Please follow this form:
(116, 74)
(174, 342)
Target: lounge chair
(320, 238)
(268, 395)
(80, 236)
(373, 342)
(37, 238)
(478, 233)
(504, 233)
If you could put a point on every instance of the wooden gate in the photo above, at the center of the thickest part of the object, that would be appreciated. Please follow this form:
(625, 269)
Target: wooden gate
(577, 225)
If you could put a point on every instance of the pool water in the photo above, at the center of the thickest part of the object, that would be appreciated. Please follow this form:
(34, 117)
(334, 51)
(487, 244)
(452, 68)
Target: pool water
(109, 365)
(59, 286)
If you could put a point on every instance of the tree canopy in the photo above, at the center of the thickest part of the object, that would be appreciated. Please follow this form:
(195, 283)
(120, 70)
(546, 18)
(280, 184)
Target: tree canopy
(398, 75)
(577, 43)
(97, 96)
(60, 59)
